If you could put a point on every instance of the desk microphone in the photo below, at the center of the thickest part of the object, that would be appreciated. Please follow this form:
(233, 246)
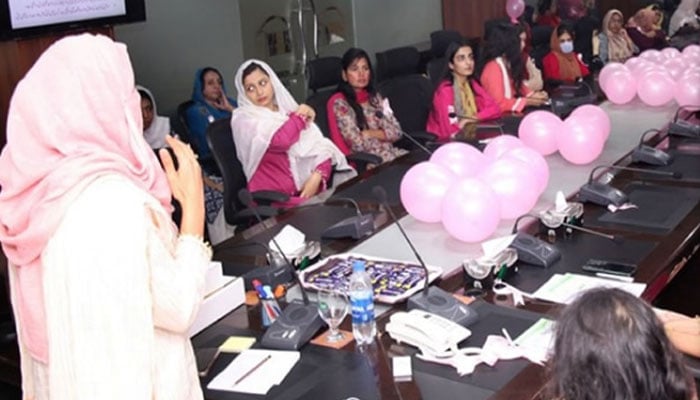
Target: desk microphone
(649, 155)
(300, 320)
(272, 274)
(532, 250)
(683, 128)
(604, 194)
(379, 114)
(355, 227)
(432, 299)
(478, 125)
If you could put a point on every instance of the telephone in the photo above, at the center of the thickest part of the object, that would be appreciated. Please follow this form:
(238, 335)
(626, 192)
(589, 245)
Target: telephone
(431, 333)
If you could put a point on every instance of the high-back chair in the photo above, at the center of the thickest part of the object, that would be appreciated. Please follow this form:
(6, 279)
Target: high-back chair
(223, 148)
(410, 93)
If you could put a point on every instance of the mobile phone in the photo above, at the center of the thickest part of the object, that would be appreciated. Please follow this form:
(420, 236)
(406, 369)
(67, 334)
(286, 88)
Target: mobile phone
(610, 267)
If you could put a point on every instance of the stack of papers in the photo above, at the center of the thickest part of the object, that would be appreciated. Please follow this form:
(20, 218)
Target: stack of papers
(255, 371)
(565, 288)
(538, 339)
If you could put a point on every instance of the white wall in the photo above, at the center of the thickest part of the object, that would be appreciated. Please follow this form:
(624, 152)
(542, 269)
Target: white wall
(178, 37)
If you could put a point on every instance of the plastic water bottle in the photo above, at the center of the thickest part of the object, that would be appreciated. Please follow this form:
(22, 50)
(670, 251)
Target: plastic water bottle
(362, 305)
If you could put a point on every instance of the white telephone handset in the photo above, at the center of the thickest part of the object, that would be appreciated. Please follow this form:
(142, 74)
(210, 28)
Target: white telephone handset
(429, 332)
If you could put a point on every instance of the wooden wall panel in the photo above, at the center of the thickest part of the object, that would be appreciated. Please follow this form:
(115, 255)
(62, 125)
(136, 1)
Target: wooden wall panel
(468, 16)
(17, 57)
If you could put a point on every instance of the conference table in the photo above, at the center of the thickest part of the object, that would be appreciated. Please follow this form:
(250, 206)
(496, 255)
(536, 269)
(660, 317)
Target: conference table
(660, 237)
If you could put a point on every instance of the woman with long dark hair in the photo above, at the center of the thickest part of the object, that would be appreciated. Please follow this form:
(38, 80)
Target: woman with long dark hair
(358, 116)
(459, 99)
(502, 71)
(610, 345)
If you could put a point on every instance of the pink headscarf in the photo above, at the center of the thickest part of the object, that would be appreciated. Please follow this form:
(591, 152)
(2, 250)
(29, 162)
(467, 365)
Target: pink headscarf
(73, 118)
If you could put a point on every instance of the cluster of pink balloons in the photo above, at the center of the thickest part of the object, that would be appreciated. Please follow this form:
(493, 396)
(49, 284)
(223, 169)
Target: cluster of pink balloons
(470, 191)
(657, 77)
(580, 138)
(515, 8)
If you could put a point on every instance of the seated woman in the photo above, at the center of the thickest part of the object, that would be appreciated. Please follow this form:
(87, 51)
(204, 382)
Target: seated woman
(458, 93)
(358, 115)
(503, 71)
(615, 44)
(685, 15)
(210, 103)
(277, 142)
(610, 345)
(155, 127)
(533, 75)
(547, 13)
(643, 32)
(562, 63)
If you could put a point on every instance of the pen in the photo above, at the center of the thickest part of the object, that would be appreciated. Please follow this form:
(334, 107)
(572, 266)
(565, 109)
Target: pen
(250, 371)
(620, 278)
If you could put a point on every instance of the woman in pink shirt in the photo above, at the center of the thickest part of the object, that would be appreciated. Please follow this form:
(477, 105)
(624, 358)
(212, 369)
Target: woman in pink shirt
(277, 142)
(459, 99)
(503, 71)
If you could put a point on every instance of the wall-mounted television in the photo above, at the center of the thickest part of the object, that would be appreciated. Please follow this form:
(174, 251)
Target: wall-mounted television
(26, 18)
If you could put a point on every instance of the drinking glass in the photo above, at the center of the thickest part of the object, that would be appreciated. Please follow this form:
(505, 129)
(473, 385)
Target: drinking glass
(333, 307)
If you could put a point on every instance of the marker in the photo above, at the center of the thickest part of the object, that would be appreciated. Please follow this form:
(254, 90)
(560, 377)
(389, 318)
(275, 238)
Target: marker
(620, 278)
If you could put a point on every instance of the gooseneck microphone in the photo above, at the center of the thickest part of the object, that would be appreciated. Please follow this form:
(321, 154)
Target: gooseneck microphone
(355, 227)
(683, 128)
(604, 194)
(532, 250)
(299, 321)
(379, 114)
(433, 299)
(649, 155)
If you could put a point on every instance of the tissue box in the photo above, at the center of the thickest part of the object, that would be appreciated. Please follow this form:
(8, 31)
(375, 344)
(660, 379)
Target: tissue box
(223, 299)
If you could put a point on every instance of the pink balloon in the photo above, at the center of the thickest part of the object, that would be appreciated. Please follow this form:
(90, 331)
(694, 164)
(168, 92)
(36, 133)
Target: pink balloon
(641, 71)
(608, 69)
(515, 8)
(633, 63)
(577, 143)
(691, 71)
(537, 164)
(687, 91)
(692, 50)
(460, 158)
(652, 55)
(538, 130)
(675, 67)
(620, 87)
(655, 89)
(514, 185)
(422, 189)
(670, 52)
(470, 211)
(596, 116)
(500, 144)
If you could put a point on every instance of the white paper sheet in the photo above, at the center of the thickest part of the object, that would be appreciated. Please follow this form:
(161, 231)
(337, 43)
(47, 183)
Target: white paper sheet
(564, 289)
(271, 372)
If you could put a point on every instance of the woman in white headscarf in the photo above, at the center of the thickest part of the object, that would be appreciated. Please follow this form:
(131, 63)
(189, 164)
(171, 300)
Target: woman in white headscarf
(277, 142)
(685, 14)
(155, 127)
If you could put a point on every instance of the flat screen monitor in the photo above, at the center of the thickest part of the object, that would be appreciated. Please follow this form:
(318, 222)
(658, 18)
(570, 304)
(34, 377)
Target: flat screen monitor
(26, 18)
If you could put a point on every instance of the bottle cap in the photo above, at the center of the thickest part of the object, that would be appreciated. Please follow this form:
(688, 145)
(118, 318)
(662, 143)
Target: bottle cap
(358, 266)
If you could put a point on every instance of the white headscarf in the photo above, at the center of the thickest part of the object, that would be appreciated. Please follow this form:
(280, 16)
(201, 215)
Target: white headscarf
(253, 128)
(160, 126)
(684, 14)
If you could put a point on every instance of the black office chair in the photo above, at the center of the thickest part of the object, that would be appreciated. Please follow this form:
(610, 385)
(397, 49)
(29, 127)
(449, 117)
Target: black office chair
(223, 148)
(410, 93)
(323, 75)
(540, 43)
(184, 131)
(397, 61)
(440, 40)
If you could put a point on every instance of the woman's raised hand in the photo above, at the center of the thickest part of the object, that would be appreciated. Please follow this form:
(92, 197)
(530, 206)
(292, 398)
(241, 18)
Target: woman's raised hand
(222, 103)
(186, 185)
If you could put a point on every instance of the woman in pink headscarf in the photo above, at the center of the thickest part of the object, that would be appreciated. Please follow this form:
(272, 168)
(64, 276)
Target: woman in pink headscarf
(103, 287)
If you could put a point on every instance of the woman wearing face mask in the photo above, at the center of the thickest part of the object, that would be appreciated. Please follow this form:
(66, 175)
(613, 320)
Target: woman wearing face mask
(615, 44)
(460, 94)
(562, 64)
